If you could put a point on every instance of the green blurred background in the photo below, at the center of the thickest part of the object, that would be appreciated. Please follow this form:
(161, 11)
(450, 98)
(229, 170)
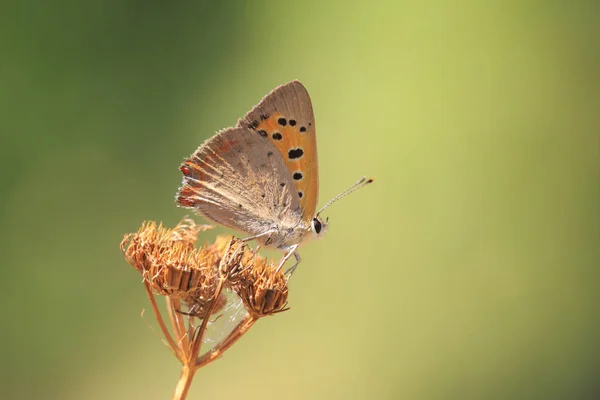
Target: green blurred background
(469, 270)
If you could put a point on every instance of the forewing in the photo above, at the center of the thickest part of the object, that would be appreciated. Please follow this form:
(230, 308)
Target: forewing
(285, 117)
(238, 179)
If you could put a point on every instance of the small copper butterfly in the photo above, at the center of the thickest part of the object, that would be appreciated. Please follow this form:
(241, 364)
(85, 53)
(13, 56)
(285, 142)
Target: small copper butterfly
(261, 176)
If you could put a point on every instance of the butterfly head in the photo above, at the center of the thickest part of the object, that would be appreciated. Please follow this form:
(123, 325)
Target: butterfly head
(318, 227)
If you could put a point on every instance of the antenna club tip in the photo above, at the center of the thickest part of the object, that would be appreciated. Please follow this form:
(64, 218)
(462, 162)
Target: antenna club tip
(370, 180)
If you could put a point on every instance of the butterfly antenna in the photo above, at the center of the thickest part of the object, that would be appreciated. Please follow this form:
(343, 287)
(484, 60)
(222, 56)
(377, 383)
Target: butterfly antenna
(358, 185)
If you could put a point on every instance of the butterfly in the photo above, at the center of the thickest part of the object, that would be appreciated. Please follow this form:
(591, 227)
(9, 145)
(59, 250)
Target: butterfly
(261, 176)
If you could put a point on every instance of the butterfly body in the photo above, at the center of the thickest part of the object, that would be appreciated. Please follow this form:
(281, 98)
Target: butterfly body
(261, 176)
(238, 191)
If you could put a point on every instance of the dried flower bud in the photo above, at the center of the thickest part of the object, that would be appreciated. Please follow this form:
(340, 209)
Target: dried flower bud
(231, 264)
(263, 290)
(200, 308)
(169, 262)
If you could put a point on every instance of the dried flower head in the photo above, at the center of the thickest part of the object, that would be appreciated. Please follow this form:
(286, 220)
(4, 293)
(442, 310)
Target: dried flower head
(262, 289)
(169, 262)
(172, 266)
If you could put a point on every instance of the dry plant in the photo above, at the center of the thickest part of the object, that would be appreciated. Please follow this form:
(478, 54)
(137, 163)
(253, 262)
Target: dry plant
(201, 286)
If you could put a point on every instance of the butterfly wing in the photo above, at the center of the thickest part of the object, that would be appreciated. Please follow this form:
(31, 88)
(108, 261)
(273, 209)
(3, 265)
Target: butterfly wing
(238, 179)
(285, 117)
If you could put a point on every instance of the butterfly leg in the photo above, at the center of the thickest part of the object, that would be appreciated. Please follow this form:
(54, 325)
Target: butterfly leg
(257, 236)
(257, 249)
(290, 250)
(290, 271)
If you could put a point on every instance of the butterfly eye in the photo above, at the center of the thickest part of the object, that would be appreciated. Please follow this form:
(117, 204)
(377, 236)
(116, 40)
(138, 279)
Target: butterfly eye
(316, 225)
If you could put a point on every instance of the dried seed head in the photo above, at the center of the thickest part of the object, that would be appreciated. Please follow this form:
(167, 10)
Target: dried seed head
(169, 262)
(263, 291)
(200, 308)
(203, 280)
(231, 264)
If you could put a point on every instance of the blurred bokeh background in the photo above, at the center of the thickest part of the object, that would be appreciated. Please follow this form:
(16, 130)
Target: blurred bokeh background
(469, 270)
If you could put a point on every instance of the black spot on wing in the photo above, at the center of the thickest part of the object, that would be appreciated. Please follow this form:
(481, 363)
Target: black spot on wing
(296, 153)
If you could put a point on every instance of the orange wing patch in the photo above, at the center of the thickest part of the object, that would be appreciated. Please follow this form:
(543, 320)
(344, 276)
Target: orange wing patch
(296, 142)
(285, 116)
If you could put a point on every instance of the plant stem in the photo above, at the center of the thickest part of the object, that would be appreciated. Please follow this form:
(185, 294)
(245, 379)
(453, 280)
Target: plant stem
(197, 340)
(242, 327)
(173, 307)
(189, 367)
(160, 320)
(185, 381)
